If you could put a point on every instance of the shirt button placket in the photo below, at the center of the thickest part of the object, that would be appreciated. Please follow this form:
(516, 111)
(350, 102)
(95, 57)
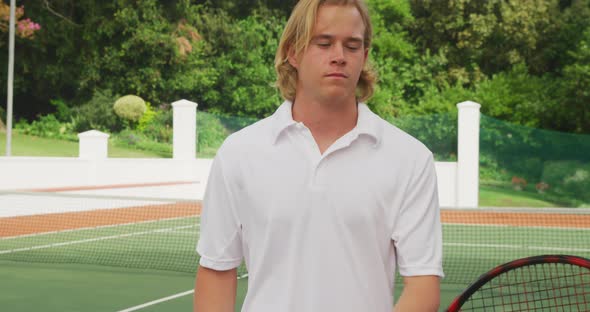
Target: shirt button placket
(315, 157)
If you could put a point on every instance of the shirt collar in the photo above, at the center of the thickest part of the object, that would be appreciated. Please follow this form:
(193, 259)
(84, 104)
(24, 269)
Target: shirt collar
(281, 120)
(367, 122)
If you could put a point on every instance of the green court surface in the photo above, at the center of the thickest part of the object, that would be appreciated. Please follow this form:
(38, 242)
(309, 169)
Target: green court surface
(58, 287)
(118, 267)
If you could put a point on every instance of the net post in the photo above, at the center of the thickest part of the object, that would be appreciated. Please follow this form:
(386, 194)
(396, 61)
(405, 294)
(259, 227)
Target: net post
(468, 155)
(184, 137)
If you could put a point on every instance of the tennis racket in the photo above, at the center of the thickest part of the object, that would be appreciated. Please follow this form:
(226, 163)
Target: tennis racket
(540, 283)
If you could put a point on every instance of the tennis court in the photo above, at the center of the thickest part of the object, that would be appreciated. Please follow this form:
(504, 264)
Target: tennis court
(82, 252)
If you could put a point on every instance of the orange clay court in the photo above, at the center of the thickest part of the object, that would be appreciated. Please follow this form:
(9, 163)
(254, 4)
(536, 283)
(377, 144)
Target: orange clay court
(25, 225)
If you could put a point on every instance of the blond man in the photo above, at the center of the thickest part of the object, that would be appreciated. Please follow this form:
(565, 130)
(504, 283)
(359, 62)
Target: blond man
(323, 200)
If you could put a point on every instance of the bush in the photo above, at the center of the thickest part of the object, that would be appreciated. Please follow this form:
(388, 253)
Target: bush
(517, 97)
(133, 139)
(62, 110)
(147, 117)
(571, 178)
(159, 128)
(490, 171)
(130, 108)
(2, 118)
(97, 114)
(211, 133)
(47, 126)
(437, 131)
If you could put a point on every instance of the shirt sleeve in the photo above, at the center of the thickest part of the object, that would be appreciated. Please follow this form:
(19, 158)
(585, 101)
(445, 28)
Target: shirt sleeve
(417, 232)
(220, 241)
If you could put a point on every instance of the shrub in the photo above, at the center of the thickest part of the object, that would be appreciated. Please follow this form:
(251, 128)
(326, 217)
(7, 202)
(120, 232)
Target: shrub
(2, 113)
(147, 117)
(211, 133)
(571, 178)
(136, 140)
(518, 183)
(437, 131)
(541, 187)
(160, 127)
(47, 126)
(130, 108)
(2, 118)
(97, 114)
(62, 110)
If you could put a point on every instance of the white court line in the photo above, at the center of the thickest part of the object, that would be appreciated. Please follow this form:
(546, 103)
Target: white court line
(500, 246)
(96, 227)
(182, 294)
(2, 252)
(519, 226)
(151, 303)
(186, 232)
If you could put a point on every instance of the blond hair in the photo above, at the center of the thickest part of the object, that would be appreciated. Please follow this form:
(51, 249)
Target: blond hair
(296, 38)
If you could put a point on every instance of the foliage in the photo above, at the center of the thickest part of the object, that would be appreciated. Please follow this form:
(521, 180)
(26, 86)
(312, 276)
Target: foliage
(136, 140)
(47, 126)
(97, 114)
(63, 112)
(437, 131)
(570, 178)
(211, 133)
(220, 54)
(404, 73)
(240, 58)
(24, 27)
(575, 89)
(482, 37)
(518, 96)
(130, 108)
(2, 117)
(159, 128)
(147, 117)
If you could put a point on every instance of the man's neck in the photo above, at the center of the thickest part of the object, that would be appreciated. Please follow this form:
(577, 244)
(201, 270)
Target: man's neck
(327, 121)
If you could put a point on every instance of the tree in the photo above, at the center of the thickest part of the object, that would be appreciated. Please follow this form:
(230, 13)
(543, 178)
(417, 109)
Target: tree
(24, 27)
(482, 37)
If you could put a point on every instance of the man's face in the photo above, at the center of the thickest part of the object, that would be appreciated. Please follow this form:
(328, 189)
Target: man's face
(329, 69)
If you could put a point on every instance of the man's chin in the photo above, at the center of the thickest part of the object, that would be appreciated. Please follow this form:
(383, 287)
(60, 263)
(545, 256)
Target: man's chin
(338, 93)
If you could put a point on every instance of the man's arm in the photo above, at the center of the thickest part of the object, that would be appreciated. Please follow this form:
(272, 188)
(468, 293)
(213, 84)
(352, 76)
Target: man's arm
(420, 294)
(215, 291)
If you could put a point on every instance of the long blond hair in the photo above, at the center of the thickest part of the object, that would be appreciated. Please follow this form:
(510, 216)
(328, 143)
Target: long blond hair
(296, 38)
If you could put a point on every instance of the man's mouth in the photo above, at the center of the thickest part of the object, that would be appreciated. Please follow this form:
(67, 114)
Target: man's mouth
(337, 75)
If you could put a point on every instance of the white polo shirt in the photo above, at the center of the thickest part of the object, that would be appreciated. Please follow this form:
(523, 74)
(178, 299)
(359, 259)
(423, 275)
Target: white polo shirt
(321, 232)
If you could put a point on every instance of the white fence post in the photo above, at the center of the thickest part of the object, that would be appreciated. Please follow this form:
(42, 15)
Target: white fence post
(184, 135)
(468, 155)
(93, 145)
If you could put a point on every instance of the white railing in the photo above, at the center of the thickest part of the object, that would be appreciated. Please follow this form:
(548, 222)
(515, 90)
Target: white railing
(458, 182)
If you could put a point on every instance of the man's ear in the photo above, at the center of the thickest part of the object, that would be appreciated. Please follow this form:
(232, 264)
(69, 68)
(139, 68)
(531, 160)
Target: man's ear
(292, 58)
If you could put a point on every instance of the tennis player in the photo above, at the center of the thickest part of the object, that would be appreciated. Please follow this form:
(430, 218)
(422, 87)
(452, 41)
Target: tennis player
(323, 200)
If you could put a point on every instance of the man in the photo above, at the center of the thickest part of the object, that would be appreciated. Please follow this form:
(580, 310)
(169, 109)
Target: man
(323, 199)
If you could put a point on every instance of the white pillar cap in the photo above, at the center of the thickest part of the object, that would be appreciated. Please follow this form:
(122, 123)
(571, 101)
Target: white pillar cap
(184, 103)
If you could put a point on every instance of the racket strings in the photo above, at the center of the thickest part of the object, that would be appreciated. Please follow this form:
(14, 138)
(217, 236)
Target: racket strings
(546, 287)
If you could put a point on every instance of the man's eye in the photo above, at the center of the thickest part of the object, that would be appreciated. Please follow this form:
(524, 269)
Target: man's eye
(353, 48)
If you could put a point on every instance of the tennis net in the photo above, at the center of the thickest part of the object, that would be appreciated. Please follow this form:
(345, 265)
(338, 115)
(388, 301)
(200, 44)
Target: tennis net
(161, 234)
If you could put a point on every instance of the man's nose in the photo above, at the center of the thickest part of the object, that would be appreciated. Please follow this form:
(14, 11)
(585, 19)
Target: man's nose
(338, 54)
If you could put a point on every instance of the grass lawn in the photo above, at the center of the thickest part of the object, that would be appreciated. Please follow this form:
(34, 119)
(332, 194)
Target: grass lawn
(502, 197)
(25, 145)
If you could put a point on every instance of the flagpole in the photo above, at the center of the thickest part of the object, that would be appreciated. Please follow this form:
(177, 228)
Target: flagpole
(10, 79)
